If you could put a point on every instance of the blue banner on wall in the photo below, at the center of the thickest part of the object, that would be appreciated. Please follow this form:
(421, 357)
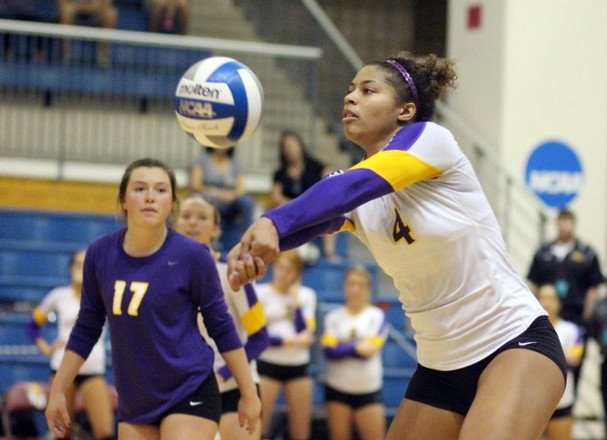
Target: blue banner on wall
(554, 173)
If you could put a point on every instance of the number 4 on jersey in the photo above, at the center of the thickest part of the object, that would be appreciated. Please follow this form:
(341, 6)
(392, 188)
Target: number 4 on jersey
(400, 230)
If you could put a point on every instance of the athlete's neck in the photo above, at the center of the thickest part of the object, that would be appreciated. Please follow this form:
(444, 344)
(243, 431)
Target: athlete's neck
(143, 242)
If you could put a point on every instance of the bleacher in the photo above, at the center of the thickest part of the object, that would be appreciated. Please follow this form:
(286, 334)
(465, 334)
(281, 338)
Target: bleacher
(133, 71)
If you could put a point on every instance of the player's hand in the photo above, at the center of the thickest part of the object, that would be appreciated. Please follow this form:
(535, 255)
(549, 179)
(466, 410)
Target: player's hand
(249, 411)
(258, 247)
(366, 348)
(57, 416)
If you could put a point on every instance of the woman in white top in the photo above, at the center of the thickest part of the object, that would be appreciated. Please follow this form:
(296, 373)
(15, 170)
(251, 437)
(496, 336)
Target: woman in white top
(560, 425)
(353, 337)
(484, 344)
(65, 303)
(290, 311)
(200, 220)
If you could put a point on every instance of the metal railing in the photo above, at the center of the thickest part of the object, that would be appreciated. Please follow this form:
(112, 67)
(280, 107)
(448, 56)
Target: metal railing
(61, 101)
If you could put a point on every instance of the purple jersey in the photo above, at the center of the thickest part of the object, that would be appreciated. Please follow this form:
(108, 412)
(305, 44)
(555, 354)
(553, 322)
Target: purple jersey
(159, 357)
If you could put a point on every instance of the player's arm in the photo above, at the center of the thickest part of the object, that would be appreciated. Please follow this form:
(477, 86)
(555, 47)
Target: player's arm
(333, 348)
(338, 194)
(373, 344)
(38, 320)
(251, 314)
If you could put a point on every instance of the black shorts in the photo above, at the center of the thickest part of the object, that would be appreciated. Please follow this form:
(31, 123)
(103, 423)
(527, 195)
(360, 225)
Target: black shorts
(230, 399)
(205, 402)
(80, 378)
(282, 373)
(455, 390)
(562, 412)
(354, 401)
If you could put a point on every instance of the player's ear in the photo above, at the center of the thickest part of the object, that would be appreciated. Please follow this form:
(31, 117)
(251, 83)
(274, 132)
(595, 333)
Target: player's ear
(407, 112)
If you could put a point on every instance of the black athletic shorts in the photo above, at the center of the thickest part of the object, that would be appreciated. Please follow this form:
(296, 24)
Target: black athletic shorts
(230, 399)
(80, 378)
(282, 373)
(205, 402)
(354, 401)
(562, 412)
(455, 390)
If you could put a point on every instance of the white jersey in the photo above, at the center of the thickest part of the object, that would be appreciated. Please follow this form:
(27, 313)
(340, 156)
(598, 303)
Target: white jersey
(248, 317)
(66, 305)
(352, 374)
(437, 237)
(280, 312)
(571, 339)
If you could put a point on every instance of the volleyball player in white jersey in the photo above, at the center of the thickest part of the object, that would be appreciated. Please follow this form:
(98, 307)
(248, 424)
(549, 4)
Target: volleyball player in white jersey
(200, 220)
(290, 311)
(352, 339)
(484, 343)
(64, 301)
(572, 339)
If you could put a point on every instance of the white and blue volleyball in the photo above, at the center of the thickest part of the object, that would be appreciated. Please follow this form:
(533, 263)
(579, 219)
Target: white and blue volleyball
(219, 102)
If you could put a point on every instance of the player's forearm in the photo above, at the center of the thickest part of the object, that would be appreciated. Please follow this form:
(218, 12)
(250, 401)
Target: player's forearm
(70, 365)
(237, 362)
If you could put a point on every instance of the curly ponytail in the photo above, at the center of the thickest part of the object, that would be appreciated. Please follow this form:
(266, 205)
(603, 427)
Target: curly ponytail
(431, 77)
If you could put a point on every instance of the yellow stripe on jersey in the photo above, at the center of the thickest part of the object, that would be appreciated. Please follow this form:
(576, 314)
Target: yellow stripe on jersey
(329, 341)
(311, 323)
(39, 316)
(348, 226)
(399, 168)
(377, 341)
(254, 319)
(576, 350)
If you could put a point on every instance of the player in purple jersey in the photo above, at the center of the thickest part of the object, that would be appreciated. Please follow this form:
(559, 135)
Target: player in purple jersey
(484, 344)
(151, 283)
(200, 220)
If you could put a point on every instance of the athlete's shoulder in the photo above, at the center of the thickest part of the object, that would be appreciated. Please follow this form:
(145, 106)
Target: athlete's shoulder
(424, 132)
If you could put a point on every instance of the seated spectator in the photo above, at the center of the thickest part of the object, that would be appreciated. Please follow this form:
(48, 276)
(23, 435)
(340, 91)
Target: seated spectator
(170, 16)
(89, 12)
(219, 175)
(26, 10)
(297, 172)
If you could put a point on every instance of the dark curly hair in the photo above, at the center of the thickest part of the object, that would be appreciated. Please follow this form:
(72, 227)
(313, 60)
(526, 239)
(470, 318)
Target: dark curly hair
(430, 74)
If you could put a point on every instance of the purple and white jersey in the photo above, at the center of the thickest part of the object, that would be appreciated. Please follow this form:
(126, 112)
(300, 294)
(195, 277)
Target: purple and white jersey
(159, 357)
(419, 208)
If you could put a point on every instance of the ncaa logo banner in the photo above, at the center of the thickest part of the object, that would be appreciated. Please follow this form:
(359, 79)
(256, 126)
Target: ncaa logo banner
(554, 174)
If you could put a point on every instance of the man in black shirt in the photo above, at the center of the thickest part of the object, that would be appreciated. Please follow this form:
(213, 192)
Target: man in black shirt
(572, 266)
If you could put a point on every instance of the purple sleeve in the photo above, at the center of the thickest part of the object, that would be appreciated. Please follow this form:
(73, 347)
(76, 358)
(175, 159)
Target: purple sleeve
(341, 350)
(300, 321)
(275, 341)
(91, 317)
(255, 345)
(209, 297)
(328, 199)
(32, 330)
(305, 235)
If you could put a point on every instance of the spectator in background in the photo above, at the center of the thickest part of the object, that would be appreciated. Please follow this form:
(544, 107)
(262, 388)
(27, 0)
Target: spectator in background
(65, 303)
(26, 10)
(170, 16)
(572, 266)
(89, 12)
(353, 336)
(219, 175)
(297, 172)
(290, 310)
(560, 425)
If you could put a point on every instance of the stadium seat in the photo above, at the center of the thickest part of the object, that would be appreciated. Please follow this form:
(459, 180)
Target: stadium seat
(23, 397)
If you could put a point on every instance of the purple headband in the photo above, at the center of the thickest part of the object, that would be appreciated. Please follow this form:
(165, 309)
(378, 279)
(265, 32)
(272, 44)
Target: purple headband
(401, 69)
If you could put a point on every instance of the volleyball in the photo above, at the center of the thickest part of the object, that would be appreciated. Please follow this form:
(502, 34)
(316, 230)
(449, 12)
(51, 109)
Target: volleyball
(219, 102)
